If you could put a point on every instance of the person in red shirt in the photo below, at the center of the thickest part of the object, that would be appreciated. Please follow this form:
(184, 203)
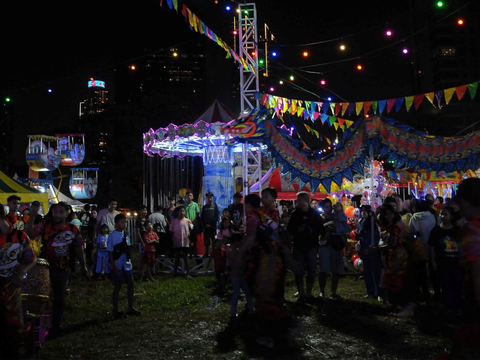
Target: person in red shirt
(57, 236)
(150, 239)
(219, 256)
(16, 259)
(13, 217)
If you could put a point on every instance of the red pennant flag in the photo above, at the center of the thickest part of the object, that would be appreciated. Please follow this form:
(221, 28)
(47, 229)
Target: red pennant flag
(390, 103)
(461, 91)
(417, 100)
(366, 107)
(338, 107)
(340, 121)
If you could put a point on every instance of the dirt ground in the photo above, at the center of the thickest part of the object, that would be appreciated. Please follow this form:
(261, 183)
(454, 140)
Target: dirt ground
(181, 319)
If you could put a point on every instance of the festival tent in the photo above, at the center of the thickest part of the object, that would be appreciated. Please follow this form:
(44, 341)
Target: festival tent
(286, 190)
(56, 196)
(376, 136)
(217, 112)
(9, 186)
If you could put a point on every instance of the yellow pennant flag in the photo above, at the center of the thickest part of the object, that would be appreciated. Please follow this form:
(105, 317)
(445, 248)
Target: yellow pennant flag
(348, 123)
(408, 102)
(299, 111)
(294, 106)
(448, 94)
(430, 96)
(344, 108)
(336, 125)
(359, 107)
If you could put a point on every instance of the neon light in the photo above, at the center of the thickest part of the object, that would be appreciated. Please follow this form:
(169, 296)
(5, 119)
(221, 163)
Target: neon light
(96, 83)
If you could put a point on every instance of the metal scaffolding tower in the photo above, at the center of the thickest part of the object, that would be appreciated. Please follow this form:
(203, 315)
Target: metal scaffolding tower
(249, 87)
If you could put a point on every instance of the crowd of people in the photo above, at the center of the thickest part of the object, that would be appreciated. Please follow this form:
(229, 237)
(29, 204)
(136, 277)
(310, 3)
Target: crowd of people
(406, 247)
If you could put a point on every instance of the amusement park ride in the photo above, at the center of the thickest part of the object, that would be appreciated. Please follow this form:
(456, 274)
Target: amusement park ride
(46, 153)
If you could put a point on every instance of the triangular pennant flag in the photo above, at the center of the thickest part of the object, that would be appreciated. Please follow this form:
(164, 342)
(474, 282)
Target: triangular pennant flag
(340, 121)
(366, 107)
(319, 104)
(359, 107)
(348, 123)
(381, 105)
(332, 108)
(351, 108)
(184, 12)
(195, 24)
(408, 102)
(331, 120)
(175, 5)
(390, 103)
(315, 115)
(336, 125)
(460, 90)
(417, 99)
(439, 96)
(307, 104)
(472, 89)
(327, 185)
(170, 4)
(294, 106)
(344, 108)
(338, 107)
(324, 118)
(299, 111)
(448, 94)
(398, 104)
(337, 179)
(314, 183)
(430, 96)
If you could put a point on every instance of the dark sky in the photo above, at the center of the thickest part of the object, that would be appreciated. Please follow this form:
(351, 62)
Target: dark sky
(60, 45)
(51, 44)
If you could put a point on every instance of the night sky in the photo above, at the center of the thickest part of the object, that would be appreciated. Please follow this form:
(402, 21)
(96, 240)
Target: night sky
(59, 46)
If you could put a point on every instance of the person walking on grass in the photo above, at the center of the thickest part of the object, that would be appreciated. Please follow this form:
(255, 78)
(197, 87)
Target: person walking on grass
(121, 266)
(209, 216)
(305, 226)
(180, 229)
(150, 239)
(102, 257)
(237, 264)
(57, 236)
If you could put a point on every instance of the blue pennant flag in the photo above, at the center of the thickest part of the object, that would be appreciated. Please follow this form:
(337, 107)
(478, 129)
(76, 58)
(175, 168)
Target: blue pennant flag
(384, 151)
(337, 179)
(472, 162)
(357, 167)
(348, 174)
(449, 167)
(381, 105)
(294, 174)
(327, 184)
(314, 183)
(286, 168)
(461, 164)
(398, 103)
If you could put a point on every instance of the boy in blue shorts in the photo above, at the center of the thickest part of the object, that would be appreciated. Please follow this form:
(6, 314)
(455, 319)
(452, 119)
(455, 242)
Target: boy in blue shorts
(121, 265)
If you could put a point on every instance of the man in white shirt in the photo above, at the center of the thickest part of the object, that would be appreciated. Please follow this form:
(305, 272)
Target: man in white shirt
(107, 216)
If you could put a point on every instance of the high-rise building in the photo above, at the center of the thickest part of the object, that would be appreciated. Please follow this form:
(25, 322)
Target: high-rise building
(447, 36)
(96, 100)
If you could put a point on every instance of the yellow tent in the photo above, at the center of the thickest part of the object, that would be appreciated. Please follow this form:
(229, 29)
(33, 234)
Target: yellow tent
(9, 186)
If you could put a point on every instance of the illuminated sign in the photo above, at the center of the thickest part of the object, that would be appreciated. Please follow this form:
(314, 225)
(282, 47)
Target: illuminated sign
(96, 83)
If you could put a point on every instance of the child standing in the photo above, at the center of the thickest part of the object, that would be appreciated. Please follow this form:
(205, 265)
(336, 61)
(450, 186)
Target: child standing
(219, 256)
(181, 228)
(121, 265)
(237, 264)
(225, 228)
(102, 257)
(150, 238)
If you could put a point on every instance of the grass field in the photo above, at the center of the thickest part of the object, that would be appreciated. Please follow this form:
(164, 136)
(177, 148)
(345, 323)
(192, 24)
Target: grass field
(182, 320)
